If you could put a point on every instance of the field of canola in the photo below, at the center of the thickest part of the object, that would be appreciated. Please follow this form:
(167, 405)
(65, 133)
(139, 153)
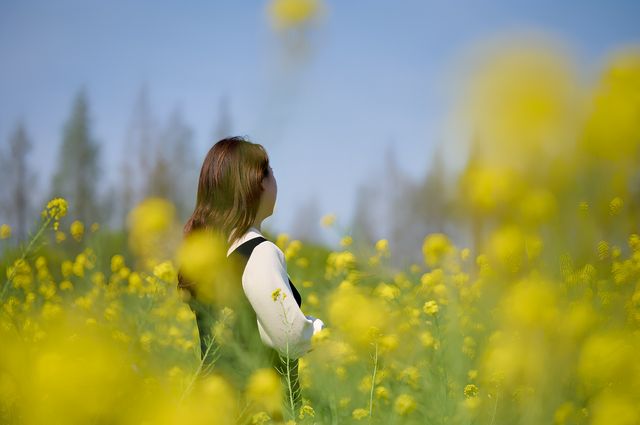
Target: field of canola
(537, 323)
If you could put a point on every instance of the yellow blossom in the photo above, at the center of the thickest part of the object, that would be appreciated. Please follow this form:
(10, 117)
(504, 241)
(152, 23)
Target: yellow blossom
(306, 411)
(434, 248)
(55, 210)
(260, 418)
(292, 13)
(5, 231)
(60, 236)
(328, 220)
(359, 413)
(153, 230)
(382, 246)
(346, 241)
(470, 390)
(430, 307)
(117, 262)
(202, 259)
(265, 388)
(276, 294)
(382, 392)
(404, 404)
(77, 230)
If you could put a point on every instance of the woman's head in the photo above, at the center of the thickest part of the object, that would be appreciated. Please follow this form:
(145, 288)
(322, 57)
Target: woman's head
(236, 189)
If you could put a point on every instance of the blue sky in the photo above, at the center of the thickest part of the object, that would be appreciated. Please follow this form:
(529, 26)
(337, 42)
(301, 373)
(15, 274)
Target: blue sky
(375, 75)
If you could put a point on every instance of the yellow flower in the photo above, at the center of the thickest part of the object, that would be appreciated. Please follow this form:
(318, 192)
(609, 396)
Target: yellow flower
(615, 409)
(260, 418)
(434, 248)
(386, 291)
(282, 241)
(305, 411)
(382, 246)
(431, 308)
(60, 236)
(313, 299)
(117, 262)
(487, 188)
(265, 388)
(328, 220)
(509, 245)
(291, 13)
(94, 227)
(166, 271)
(359, 413)
(202, 259)
(292, 249)
(612, 129)
(410, 375)
(276, 294)
(522, 101)
(426, 338)
(5, 231)
(615, 205)
(346, 241)
(55, 210)
(382, 392)
(153, 230)
(356, 314)
(404, 404)
(302, 262)
(470, 390)
(531, 303)
(603, 250)
(77, 230)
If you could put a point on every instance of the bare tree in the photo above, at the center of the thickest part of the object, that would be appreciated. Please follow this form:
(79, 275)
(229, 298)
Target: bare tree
(18, 180)
(77, 175)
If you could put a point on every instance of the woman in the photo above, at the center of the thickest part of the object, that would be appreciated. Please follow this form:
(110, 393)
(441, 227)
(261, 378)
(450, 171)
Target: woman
(236, 192)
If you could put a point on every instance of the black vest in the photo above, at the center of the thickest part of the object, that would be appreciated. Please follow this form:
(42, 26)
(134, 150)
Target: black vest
(243, 252)
(238, 356)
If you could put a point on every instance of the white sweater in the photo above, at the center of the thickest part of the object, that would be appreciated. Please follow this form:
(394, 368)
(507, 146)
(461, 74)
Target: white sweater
(266, 271)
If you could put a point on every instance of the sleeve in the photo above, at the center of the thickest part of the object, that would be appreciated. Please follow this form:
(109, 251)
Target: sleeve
(279, 321)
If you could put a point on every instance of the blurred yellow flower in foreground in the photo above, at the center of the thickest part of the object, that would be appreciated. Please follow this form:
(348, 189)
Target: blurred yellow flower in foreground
(292, 13)
(613, 127)
(72, 375)
(531, 303)
(435, 247)
(265, 388)
(357, 315)
(523, 101)
(153, 230)
(202, 260)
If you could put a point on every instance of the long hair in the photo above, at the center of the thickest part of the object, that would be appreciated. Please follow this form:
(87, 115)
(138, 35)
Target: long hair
(229, 191)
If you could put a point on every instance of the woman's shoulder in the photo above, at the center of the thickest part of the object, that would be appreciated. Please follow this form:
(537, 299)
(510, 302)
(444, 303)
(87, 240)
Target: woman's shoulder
(269, 250)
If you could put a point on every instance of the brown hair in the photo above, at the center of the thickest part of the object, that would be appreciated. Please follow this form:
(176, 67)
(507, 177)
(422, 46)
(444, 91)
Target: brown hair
(229, 191)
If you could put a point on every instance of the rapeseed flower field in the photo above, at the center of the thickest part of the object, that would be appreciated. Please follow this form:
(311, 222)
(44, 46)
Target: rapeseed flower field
(535, 322)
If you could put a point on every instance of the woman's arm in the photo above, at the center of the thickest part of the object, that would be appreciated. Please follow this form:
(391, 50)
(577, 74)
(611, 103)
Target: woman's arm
(265, 272)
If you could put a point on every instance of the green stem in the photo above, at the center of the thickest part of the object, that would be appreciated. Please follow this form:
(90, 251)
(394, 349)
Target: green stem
(444, 369)
(198, 371)
(495, 409)
(23, 256)
(373, 380)
(292, 406)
